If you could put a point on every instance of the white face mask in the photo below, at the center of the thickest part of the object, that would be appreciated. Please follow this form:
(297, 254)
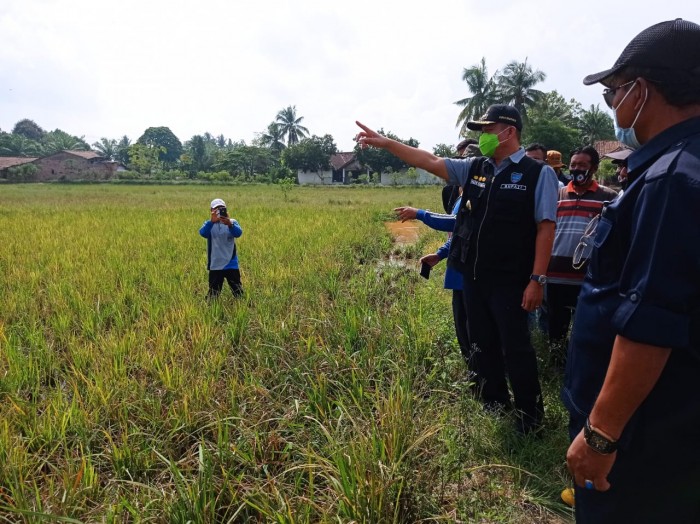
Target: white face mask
(626, 135)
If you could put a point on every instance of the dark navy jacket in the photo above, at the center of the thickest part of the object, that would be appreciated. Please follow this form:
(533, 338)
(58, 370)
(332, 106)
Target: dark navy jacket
(643, 282)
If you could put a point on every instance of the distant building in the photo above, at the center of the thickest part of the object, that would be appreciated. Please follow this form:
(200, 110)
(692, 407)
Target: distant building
(345, 169)
(65, 166)
(410, 177)
(6, 162)
(76, 165)
(608, 146)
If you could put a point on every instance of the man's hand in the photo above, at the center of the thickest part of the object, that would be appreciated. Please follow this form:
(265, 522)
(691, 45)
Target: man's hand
(532, 296)
(431, 259)
(368, 137)
(214, 216)
(226, 220)
(586, 464)
(406, 213)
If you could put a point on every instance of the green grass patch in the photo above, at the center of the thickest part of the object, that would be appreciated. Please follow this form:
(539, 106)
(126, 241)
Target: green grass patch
(333, 391)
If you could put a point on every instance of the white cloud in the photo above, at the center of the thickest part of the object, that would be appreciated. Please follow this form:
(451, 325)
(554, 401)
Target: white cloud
(112, 68)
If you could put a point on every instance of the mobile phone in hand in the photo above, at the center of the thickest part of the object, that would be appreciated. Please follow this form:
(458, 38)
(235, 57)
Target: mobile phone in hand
(425, 270)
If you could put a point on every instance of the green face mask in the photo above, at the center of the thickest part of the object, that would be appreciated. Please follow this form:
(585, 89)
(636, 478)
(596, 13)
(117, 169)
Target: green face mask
(488, 142)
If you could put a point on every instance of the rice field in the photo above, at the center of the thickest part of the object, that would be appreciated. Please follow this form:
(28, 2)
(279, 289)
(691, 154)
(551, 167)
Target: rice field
(333, 391)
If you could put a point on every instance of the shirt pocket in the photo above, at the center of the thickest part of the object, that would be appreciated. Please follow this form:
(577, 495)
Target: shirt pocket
(603, 261)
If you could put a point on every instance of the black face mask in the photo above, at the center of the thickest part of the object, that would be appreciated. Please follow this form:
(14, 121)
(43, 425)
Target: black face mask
(580, 177)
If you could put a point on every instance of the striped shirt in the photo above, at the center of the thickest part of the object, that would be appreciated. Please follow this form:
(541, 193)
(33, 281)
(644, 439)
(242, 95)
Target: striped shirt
(574, 213)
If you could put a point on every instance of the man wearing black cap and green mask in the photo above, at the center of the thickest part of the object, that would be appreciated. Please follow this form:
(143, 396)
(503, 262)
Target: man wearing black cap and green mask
(501, 244)
(634, 360)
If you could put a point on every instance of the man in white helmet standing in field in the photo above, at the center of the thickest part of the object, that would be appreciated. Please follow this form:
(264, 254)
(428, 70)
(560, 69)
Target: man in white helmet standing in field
(222, 259)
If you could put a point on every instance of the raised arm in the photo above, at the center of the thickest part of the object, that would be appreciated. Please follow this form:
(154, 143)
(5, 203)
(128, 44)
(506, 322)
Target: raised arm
(411, 155)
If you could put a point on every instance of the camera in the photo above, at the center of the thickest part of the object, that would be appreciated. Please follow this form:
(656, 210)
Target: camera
(222, 212)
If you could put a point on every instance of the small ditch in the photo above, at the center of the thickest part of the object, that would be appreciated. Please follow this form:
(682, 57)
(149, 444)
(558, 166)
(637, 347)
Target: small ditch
(403, 234)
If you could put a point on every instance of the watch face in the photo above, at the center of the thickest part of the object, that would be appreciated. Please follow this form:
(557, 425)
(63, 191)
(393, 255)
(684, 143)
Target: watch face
(597, 441)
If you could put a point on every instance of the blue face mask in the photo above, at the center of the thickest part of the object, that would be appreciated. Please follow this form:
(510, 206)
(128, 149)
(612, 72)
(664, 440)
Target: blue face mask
(626, 135)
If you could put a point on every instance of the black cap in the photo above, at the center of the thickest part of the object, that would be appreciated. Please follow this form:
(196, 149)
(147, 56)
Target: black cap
(619, 155)
(498, 114)
(669, 46)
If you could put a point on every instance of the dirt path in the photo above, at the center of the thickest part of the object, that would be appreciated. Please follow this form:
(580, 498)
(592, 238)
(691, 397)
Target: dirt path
(403, 232)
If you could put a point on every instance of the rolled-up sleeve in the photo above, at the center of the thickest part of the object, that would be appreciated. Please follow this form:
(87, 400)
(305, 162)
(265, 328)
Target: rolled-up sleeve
(546, 195)
(458, 169)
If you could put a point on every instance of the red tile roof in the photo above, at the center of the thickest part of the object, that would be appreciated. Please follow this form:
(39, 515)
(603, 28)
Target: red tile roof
(607, 146)
(343, 160)
(87, 155)
(10, 161)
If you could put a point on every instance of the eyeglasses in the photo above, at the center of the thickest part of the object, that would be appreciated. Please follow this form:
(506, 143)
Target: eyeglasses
(609, 93)
(585, 246)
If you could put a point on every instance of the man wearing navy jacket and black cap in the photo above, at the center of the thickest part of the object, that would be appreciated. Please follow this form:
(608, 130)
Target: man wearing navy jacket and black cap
(501, 244)
(631, 384)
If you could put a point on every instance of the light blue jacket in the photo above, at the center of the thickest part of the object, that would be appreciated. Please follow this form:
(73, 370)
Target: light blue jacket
(443, 222)
(221, 246)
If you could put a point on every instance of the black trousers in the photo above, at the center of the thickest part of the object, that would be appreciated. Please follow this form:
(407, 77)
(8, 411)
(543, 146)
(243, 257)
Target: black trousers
(459, 314)
(561, 302)
(500, 338)
(655, 479)
(216, 282)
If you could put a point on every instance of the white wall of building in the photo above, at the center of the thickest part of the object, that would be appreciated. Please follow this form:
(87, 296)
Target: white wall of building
(400, 178)
(387, 179)
(315, 178)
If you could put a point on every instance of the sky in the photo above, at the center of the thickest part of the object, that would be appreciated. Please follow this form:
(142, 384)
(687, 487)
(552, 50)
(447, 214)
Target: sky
(107, 68)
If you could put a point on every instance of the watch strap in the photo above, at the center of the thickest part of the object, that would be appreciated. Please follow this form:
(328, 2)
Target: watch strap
(596, 440)
(540, 279)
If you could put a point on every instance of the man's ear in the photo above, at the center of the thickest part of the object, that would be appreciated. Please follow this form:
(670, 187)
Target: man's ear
(644, 91)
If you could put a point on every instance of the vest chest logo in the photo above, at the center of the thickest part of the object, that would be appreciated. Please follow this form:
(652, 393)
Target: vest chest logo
(479, 181)
(514, 179)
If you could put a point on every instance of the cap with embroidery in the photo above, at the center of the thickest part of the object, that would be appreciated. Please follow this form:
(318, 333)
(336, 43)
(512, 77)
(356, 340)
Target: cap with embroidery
(498, 114)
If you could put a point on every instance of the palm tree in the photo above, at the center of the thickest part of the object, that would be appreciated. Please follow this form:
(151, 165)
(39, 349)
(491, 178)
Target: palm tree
(291, 125)
(273, 138)
(58, 140)
(481, 88)
(553, 106)
(515, 85)
(106, 147)
(595, 125)
(18, 145)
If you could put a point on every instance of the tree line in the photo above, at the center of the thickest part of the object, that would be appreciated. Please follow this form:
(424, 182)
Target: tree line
(287, 145)
(548, 118)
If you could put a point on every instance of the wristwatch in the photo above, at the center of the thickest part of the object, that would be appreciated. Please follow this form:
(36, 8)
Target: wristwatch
(598, 442)
(540, 279)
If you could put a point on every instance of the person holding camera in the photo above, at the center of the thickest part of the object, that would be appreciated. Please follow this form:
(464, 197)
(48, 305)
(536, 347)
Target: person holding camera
(222, 260)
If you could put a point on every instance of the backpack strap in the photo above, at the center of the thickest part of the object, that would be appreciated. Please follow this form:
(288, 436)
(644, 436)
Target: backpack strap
(464, 224)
